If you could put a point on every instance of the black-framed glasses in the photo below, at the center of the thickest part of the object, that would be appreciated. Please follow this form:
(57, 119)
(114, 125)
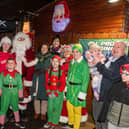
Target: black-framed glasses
(125, 73)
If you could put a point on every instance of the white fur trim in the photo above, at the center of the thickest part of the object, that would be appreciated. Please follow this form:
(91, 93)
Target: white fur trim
(63, 119)
(29, 64)
(27, 100)
(22, 107)
(5, 40)
(27, 83)
(65, 90)
(84, 118)
(82, 95)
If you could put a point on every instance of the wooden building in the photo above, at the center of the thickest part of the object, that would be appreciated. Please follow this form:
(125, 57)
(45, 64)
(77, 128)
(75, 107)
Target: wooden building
(90, 19)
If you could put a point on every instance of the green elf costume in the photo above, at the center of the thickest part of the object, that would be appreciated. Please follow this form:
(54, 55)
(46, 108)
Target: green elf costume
(77, 85)
(10, 91)
(55, 84)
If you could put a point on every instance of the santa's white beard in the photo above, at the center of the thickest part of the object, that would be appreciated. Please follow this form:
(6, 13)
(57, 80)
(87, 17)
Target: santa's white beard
(61, 25)
(20, 53)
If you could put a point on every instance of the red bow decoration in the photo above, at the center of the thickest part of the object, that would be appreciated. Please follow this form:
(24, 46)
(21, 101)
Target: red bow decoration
(12, 74)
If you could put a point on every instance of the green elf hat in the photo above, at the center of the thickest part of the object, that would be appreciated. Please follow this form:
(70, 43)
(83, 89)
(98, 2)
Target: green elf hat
(78, 47)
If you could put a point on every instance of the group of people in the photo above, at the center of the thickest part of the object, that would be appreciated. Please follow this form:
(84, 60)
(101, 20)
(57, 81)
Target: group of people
(47, 78)
(110, 80)
(59, 87)
(57, 79)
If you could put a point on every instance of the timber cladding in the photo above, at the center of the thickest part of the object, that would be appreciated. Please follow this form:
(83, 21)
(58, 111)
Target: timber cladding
(88, 18)
(94, 19)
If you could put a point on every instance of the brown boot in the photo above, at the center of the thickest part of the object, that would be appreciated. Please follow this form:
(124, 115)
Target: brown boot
(43, 117)
(36, 116)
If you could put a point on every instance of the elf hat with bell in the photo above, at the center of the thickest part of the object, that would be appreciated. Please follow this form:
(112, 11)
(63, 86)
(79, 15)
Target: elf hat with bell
(78, 47)
(57, 57)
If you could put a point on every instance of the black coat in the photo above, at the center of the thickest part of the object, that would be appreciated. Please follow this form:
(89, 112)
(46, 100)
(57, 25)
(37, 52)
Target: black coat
(110, 75)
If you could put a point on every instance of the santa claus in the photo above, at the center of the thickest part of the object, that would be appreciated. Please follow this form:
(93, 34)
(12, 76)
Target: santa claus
(61, 16)
(22, 48)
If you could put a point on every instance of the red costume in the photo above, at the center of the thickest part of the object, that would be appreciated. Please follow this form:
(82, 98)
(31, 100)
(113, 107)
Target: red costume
(55, 84)
(25, 64)
(3, 58)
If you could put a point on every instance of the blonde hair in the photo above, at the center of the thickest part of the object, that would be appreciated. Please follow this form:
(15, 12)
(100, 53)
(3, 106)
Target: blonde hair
(93, 45)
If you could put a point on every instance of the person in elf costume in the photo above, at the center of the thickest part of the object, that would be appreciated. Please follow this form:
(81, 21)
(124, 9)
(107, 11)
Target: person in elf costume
(10, 91)
(67, 58)
(5, 44)
(55, 84)
(77, 85)
(25, 58)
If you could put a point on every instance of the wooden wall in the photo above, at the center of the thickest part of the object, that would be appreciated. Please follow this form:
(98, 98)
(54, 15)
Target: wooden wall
(92, 19)
(87, 16)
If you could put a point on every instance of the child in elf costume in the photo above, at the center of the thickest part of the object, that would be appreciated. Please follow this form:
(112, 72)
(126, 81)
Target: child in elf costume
(55, 84)
(67, 58)
(94, 50)
(77, 85)
(10, 92)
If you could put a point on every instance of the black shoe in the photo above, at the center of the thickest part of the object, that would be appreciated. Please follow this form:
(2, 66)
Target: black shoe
(1, 126)
(67, 126)
(11, 120)
(20, 125)
(23, 117)
(64, 124)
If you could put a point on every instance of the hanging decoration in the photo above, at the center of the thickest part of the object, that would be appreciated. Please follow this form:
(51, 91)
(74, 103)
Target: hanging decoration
(26, 27)
(61, 17)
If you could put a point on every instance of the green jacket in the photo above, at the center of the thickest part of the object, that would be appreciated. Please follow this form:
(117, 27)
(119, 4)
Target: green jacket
(10, 80)
(78, 73)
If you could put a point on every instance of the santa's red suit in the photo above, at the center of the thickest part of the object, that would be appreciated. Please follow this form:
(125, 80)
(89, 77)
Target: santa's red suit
(25, 64)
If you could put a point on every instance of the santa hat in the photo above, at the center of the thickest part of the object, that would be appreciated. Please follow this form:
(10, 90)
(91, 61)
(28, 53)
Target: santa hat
(126, 66)
(57, 57)
(78, 47)
(66, 48)
(5, 40)
(63, 4)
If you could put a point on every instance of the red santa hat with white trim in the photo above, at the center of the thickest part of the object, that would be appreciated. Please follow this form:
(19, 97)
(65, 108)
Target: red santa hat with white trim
(4, 40)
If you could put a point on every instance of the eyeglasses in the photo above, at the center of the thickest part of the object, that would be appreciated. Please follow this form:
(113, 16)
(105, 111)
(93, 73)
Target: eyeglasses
(124, 73)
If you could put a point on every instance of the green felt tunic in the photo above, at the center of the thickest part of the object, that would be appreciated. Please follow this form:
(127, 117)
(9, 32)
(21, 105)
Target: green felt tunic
(10, 96)
(78, 73)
